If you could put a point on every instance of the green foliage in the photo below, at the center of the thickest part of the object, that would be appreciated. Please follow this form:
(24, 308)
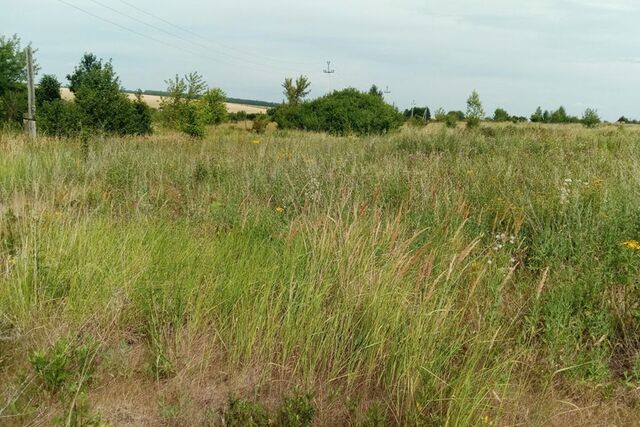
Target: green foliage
(537, 116)
(260, 123)
(475, 112)
(60, 118)
(99, 104)
(375, 91)
(297, 410)
(590, 118)
(142, 117)
(48, 90)
(13, 76)
(12, 64)
(64, 370)
(243, 413)
(341, 112)
(184, 110)
(451, 119)
(440, 115)
(190, 120)
(296, 91)
(421, 112)
(501, 115)
(213, 107)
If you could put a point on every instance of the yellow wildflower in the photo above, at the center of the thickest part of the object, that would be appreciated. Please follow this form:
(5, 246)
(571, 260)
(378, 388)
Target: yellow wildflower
(255, 141)
(279, 209)
(632, 244)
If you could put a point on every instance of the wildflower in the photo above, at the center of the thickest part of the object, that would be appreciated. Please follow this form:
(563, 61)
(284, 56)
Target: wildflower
(11, 260)
(486, 420)
(255, 141)
(632, 244)
(279, 209)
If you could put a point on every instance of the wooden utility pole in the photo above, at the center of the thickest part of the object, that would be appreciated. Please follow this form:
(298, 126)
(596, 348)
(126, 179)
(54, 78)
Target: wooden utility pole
(30, 117)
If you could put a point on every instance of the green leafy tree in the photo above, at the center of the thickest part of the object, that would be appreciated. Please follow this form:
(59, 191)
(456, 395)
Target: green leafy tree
(141, 124)
(213, 107)
(475, 111)
(180, 109)
(501, 115)
(99, 96)
(537, 116)
(296, 91)
(191, 120)
(375, 91)
(88, 64)
(60, 118)
(340, 112)
(440, 115)
(48, 89)
(590, 118)
(559, 116)
(13, 92)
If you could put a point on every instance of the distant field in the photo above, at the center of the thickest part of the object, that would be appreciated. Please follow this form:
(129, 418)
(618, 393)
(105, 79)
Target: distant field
(428, 277)
(154, 102)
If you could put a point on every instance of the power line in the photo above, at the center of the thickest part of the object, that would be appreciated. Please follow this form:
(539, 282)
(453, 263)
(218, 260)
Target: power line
(180, 48)
(155, 27)
(193, 33)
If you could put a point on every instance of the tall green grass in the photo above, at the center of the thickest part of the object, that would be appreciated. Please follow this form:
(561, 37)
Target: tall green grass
(447, 277)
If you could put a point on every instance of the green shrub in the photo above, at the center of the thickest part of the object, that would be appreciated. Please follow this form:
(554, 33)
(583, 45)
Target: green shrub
(190, 120)
(243, 413)
(451, 120)
(213, 107)
(341, 112)
(475, 112)
(48, 90)
(60, 118)
(590, 118)
(297, 410)
(260, 123)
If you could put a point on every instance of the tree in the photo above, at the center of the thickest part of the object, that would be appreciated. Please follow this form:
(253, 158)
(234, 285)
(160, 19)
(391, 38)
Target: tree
(141, 125)
(340, 112)
(181, 109)
(48, 89)
(440, 115)
(537, 116)
(213, 107)
(89, 63)
(99, 96)
(295, 92)
(501, 115)
(590, 118)
(13, 76)
(475, 112)
(375, 91)
(559, 116)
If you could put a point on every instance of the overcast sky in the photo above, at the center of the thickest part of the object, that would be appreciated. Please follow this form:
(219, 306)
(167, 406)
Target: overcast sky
(517, 54)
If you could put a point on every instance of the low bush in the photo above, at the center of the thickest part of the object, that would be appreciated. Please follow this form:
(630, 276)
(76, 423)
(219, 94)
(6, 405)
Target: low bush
(341, 112)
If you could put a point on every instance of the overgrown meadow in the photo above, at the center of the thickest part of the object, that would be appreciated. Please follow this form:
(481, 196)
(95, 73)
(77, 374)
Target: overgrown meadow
(427, 277)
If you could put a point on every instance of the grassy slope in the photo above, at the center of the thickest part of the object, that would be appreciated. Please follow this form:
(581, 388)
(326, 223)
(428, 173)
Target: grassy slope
(427, 277)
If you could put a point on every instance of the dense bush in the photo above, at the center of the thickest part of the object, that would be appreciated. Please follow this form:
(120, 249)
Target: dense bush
(99, 104)
(60, 118)
(341, 112)
(189, 106)
(47, 90)
(212, 107)
(590, 118)
(13, 93)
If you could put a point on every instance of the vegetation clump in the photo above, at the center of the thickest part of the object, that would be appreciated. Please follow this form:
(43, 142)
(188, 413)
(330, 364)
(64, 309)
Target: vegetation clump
(342, 112)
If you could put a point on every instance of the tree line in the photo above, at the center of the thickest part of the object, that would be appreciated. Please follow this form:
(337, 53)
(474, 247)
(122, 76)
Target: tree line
(188, 105)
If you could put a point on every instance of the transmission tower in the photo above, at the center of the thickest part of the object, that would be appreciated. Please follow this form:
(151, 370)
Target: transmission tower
(328, 70)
